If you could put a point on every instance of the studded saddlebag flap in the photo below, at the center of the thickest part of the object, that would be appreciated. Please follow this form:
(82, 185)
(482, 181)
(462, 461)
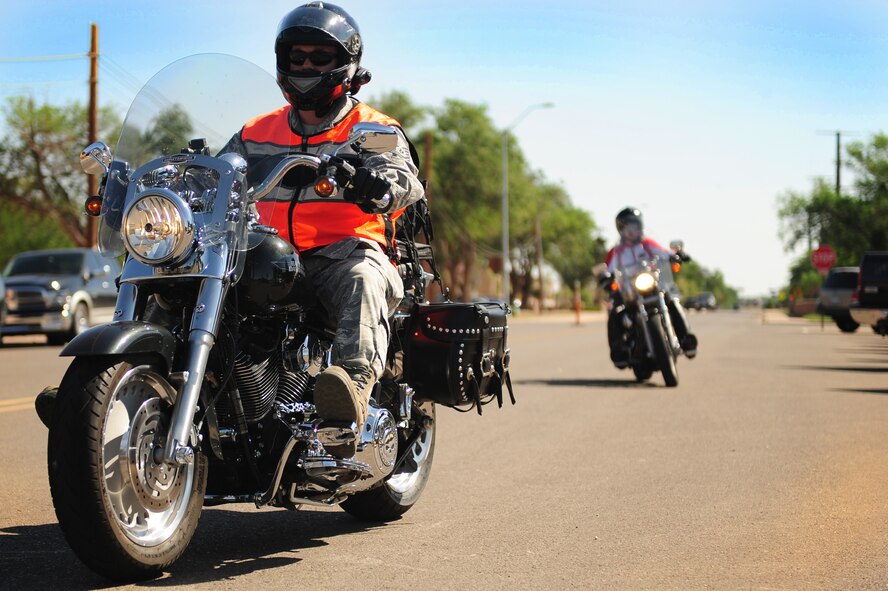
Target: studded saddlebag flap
(456, 353)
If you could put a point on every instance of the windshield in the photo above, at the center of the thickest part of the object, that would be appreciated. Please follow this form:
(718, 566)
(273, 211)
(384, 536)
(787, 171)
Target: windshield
(68, 263)
(208, 96)
(666, 278)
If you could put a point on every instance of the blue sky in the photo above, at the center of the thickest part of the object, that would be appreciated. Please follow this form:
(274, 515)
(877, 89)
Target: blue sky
(700, 113)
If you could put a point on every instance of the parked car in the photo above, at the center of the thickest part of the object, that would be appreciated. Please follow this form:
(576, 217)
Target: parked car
(870, 306)
(836, 294)
(59, 293)
(702, 301)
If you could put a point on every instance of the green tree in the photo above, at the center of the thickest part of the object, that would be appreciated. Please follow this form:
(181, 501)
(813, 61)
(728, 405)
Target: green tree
(39, 168)
(24, 230)
(466, 206)
(398, 104)
(693, 279)
(850, 223)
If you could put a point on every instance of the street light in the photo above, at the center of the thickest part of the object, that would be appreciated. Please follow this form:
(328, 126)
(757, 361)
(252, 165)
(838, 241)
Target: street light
(507, 266)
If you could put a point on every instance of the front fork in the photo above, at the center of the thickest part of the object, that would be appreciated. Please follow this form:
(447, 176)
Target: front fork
(204, 327)
(663, 308)
(667, 322)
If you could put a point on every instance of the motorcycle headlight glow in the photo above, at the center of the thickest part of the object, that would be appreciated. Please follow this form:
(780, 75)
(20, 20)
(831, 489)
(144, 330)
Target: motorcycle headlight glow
(644, 282)
(158, 227)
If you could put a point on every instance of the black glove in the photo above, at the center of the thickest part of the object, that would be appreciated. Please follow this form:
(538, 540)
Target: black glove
(367, 190)
(680, 257)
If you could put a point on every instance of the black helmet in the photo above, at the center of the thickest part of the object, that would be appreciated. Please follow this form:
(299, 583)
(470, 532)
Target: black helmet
(320, 23)
(629, 215)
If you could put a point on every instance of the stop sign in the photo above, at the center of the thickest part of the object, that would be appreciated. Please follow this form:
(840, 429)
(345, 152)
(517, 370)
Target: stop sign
(823, 258)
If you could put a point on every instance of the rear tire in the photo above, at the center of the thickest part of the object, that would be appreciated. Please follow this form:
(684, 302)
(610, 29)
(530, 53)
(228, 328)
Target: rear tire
(847, 325)
(401, 490)
(126, 517)
(663, 352)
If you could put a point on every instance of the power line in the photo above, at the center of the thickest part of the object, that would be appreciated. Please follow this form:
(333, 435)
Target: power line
(44, 58)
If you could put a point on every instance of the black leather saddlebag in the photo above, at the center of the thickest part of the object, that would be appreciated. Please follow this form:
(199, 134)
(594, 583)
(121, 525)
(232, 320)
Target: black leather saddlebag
(456, 354)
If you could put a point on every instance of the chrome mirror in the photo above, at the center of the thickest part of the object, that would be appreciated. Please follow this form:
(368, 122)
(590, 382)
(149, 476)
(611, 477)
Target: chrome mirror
(677, 245)
(373, 137)
(96, 158)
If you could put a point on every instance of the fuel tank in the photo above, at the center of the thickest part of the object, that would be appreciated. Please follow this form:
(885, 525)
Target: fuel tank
(273, 276)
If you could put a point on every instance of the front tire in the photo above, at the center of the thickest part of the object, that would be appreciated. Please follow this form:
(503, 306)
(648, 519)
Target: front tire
(401, 490)
(643, 371)
(663, 352)
(125, 516)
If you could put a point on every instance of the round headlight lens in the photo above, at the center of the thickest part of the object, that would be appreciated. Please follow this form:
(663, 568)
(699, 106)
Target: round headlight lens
(158, 227)
(644, 282)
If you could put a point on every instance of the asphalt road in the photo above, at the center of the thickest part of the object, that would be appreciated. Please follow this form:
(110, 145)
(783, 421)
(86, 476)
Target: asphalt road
(766, 468)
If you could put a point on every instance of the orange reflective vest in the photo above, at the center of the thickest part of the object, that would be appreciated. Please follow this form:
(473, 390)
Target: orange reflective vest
(313, 221)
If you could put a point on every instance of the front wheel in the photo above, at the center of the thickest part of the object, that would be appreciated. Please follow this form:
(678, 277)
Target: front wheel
(402, 489)
(126, 516)
(663, 351)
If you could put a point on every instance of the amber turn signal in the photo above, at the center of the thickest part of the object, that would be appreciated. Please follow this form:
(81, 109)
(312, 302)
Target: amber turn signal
(325, 186)
(615, 286)
(93, 205)
(676, 267)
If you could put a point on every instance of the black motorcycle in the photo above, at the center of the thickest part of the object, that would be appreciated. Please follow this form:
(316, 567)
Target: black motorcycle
(200, 392)
(645, 320)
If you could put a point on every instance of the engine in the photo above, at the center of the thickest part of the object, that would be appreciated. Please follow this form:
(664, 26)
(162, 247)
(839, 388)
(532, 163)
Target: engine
(261, 382)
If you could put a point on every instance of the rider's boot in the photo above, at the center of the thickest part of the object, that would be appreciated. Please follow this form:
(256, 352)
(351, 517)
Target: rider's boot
(689, 345)
(44, 404)
(342, 397)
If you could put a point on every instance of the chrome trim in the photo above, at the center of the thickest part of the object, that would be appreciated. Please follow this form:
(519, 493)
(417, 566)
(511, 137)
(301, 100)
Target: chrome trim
(184, 241)
(332, 501)
(96, 158)
(667, 322)
(264, 498)
(406, 402)
(204, 326)
(285, 166)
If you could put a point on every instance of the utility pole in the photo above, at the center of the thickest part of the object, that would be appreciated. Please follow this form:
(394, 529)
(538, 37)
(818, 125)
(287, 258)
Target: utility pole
(838, 133)
(427, 166)
(92, 182)
(539, 249)
(838, 163)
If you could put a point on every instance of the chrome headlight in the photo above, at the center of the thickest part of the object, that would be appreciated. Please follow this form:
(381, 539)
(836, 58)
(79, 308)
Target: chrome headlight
(158, 227)
(645, 283)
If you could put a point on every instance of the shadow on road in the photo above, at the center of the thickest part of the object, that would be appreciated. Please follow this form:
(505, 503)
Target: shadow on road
(6, 344)
(864, 369)
(227, 545)
(587, 383)
(862, 390)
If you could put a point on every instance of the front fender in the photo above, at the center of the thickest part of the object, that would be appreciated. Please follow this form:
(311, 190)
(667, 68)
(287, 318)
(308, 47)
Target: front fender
(123, 337)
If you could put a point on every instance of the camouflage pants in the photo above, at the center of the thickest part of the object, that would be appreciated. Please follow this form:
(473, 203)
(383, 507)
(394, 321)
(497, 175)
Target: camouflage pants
(359, 288)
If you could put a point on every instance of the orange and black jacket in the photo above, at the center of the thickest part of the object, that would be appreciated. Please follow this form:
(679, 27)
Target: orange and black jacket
(306, 219)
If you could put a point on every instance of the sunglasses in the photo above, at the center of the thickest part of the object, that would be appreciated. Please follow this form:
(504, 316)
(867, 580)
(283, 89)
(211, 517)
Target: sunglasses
(318, 58)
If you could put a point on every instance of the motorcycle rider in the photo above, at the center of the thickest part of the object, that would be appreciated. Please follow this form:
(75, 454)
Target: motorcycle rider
(634, 246)
(345, 240)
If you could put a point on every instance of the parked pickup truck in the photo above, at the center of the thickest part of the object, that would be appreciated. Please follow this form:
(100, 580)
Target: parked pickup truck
(58, 293)
(871, 303)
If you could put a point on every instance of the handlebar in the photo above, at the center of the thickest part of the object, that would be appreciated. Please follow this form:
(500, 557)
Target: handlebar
(283, 167)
